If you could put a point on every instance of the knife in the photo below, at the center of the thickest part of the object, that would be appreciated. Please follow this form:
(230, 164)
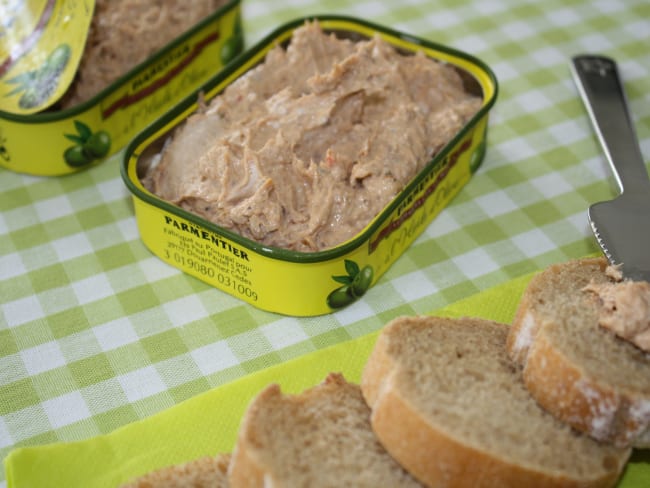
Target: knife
(622, 225)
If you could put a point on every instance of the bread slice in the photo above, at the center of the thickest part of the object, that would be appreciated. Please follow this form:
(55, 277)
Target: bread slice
(576, 369)
(205, 472)
(319, 438)
(451, 407)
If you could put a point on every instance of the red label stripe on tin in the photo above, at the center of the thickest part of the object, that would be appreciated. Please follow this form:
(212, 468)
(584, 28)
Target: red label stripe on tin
(135, 97)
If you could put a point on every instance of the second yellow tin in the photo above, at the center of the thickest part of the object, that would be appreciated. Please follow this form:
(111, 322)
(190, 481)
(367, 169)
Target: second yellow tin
(59, 142)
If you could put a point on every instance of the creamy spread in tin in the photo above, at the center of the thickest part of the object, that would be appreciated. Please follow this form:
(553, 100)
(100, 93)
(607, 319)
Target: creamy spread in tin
(305, 149)
(124, 33)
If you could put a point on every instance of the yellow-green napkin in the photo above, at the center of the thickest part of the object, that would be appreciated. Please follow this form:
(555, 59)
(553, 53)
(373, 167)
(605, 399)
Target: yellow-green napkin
(208, 423)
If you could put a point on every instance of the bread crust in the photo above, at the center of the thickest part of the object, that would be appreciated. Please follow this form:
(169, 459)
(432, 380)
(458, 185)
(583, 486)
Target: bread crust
(432, 455)
(438, 460)
(205, 472)
(525, 326)
(245, 470)
(338, 405)
(589, 406)
(606, 412)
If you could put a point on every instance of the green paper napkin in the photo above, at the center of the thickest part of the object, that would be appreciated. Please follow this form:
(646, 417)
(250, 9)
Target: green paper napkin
(208, 423)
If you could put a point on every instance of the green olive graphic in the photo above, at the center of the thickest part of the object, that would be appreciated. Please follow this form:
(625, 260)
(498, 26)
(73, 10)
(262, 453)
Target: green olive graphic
(98, 144)
(354, 283)
(361, 281)
(340, 297)
(30, 98)
(76, 156)
(38, 85)
(57, 60)
(88, 145)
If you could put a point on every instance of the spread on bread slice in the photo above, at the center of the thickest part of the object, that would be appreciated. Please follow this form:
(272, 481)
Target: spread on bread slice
(624, 308)
(452, 408)
(574, 367)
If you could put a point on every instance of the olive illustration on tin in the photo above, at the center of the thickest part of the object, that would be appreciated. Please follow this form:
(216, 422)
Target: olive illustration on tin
(75, 156)
(57, 60)
(361, 282)
(354, 285)
(38, 85)
(340, 297)
(88, 145)
(98, 144)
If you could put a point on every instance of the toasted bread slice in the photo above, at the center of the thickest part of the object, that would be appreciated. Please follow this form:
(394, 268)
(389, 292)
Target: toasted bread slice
(319, 438)
(451, 407)
(205, 472)
(579, 371)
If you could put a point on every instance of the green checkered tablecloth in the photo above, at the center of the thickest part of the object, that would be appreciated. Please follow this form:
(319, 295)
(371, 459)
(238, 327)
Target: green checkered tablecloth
(96, 332)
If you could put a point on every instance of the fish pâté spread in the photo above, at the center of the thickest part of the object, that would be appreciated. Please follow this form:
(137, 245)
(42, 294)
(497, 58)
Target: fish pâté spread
(123, 34)
(624, 307)
(302, 151)
(311, 162)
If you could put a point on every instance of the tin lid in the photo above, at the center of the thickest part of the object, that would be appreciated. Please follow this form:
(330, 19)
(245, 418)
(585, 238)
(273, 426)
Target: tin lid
(41, 43)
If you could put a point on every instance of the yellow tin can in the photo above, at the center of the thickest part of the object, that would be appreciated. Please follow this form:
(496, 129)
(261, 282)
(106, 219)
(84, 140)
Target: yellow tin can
(307, 283)
(58, 142)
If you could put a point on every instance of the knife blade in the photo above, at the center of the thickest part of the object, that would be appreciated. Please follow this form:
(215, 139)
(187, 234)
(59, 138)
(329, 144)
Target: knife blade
(622, 225)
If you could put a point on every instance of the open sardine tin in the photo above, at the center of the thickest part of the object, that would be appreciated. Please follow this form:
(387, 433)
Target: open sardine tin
(115, 115)
(307, 283)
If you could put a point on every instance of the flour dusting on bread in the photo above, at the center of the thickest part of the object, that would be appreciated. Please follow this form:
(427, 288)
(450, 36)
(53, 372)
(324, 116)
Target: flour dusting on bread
(592, 377)
(524, 338)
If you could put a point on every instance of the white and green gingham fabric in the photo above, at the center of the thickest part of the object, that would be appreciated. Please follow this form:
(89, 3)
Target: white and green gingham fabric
(96, 332)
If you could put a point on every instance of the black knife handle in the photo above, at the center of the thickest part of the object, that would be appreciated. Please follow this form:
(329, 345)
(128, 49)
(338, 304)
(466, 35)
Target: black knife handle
(604, 97)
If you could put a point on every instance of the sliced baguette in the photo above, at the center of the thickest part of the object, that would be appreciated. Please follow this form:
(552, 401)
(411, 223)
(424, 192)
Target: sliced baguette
(319, 438)
(577, 370)
(451, 407)
(205, 472)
